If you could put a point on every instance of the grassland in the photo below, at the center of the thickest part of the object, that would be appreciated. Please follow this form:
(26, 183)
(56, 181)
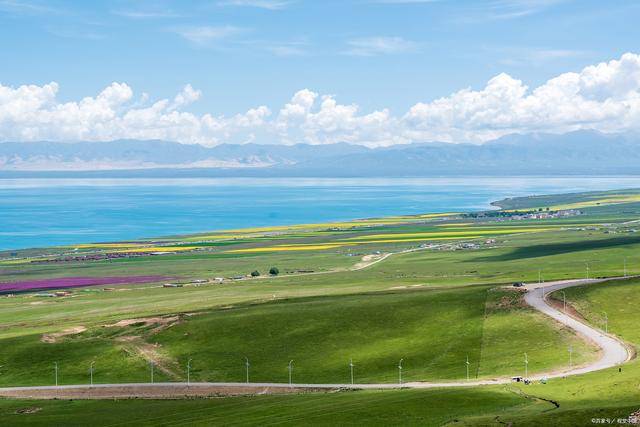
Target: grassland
(432, 303)
(407, 407)
(433, 330)
(606, 394)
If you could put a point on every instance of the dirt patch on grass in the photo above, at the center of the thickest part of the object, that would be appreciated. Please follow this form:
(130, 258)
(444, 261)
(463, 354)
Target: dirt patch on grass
(55, 337)
(558, 304)
(144, 321)
(135, 333)
(505, 300)
(156, 324)
(29, 410)
(395, 288)
(368, 260)
(137, 346)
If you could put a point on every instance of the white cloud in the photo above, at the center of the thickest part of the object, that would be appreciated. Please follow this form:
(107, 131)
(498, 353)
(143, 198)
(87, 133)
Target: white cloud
(372, 46)
(531, 56)
(495, 10)
(207, 35)
(33, 113)
(604, 97)
(147, 14)
(286, 50)
(25, 7)
(261, 4)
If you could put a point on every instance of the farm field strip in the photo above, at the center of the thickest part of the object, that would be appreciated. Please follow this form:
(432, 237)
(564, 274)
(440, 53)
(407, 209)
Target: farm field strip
(467, 232)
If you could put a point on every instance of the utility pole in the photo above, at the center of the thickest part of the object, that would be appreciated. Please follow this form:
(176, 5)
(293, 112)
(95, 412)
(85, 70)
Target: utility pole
(526, 366)
(55, 364)
(625, 266)
(400, 371)
(564, 302)
(189, 372)
(570, 357)
(151, 364)
(91, 373)
(587, 271)
(539, 276)
(467, 367)
(351, 368)
(290, 370)
(606, 323)
(246, 365)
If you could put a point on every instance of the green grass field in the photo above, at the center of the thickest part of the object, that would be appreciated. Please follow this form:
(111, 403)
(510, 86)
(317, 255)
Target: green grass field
(433, 330)
(432, 307)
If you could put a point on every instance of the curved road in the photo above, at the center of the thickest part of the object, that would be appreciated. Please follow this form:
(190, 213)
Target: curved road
(613, 353)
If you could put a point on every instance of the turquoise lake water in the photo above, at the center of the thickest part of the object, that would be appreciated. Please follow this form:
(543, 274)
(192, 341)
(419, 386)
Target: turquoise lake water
(46, 212)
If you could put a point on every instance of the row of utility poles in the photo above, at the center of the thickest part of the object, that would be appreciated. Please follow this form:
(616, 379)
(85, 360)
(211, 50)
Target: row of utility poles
(246, 364)
(290, 370)
(588, 271)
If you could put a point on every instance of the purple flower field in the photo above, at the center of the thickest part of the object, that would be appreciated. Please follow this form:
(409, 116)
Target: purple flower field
(74, 282)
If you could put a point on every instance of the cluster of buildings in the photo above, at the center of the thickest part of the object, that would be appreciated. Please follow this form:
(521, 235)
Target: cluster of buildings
(541, 215)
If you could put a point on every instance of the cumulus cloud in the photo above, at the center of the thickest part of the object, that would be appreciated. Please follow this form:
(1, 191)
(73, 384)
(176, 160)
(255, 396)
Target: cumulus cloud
(32, 113)
(603, 97)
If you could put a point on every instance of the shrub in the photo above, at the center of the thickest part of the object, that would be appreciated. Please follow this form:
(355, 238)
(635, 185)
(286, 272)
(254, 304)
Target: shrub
(274, 271)
(255, 273)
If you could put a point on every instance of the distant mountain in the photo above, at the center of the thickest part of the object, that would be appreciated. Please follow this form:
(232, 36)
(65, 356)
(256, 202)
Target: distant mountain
(582, 152)
(154, 154)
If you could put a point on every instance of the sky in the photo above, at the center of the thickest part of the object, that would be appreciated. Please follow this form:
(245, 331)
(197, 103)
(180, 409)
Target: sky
(371, 72)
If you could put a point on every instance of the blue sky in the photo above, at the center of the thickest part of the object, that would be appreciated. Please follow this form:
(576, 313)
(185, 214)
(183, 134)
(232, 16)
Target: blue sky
(241, 54)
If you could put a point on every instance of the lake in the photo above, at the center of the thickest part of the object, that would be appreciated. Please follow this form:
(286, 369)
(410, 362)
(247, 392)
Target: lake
(47, 212)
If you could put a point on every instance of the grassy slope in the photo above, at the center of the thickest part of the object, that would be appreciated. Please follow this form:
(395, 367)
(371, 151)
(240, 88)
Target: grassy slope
(509, 332)
(410, 407)
(433, 330)
(603, 394)
(619, 300)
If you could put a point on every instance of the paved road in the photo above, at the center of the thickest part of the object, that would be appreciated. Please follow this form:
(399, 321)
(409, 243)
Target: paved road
(613, 352)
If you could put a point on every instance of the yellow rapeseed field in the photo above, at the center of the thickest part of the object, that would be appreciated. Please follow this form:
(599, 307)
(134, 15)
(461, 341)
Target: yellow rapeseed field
(289, 248)
(453, 234)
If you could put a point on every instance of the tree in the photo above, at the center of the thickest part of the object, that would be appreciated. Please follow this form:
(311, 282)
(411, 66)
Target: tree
(255, 273)
(274, 271)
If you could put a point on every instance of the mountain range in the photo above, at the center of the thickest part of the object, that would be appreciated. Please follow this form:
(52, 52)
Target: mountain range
(581, 152)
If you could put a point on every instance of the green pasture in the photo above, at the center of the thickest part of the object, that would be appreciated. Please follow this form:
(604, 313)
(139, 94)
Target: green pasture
(406, 407)
(432, 307)
(433, 330)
